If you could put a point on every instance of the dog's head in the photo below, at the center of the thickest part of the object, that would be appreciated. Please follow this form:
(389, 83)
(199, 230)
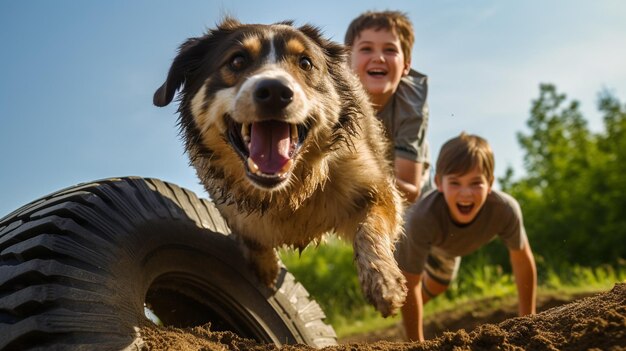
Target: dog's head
(254, 98)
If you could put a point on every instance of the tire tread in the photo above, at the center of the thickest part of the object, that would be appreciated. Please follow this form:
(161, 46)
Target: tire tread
(55, 257)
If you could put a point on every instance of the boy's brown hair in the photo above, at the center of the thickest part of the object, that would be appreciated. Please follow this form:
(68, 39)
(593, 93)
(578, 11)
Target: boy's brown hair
(394, 21)
(464, 153)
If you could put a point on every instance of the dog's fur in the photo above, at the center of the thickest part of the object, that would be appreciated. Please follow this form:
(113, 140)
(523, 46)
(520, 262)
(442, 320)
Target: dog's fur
(314, 160)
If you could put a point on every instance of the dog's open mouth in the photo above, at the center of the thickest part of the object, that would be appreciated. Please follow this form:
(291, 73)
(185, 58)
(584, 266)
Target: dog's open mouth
(268, 148)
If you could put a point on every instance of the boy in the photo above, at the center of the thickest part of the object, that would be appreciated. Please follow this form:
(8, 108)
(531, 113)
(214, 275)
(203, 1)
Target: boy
(381, 45)
(463, 215)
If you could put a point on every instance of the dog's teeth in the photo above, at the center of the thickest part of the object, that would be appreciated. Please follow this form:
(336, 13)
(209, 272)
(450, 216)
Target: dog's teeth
(294, 132)
(245, 131)
(252, 166)
(283, 171)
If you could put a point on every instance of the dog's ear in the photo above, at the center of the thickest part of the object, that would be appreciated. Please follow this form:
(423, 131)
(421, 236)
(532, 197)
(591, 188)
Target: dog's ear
(189, 58)
(188, 54)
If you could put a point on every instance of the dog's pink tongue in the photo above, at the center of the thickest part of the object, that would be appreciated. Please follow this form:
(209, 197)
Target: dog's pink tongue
(269, 145)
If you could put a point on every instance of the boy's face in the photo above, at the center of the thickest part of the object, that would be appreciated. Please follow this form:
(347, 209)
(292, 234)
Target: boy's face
(465, 194)
(378, 60)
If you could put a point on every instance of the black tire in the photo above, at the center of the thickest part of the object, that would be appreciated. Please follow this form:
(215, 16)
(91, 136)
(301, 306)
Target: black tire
(77, 266)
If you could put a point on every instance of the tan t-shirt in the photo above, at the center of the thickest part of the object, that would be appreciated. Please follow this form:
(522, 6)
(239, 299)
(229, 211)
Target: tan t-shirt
(429, 224)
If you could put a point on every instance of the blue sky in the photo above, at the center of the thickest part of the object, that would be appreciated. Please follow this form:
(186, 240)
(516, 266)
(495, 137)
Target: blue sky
(77, 77)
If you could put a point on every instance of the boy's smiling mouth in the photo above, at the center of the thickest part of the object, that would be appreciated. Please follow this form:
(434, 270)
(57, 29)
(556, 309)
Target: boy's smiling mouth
(377, 72)
(465, 207)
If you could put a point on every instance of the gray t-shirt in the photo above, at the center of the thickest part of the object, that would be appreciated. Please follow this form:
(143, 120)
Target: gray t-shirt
(429, 224)
(405, 118)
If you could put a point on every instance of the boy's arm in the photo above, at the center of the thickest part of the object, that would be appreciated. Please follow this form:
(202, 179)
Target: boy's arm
(413, 308)
(408, 177)
(525, 273)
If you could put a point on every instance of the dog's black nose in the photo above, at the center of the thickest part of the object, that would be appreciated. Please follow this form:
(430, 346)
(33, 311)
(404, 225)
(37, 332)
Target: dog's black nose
(273, 95)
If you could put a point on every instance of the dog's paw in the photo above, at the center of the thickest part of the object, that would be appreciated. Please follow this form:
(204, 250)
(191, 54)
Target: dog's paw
(267, 273)
(384, 287)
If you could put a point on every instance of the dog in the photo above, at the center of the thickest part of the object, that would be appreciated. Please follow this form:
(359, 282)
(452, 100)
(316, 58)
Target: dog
(285, 141)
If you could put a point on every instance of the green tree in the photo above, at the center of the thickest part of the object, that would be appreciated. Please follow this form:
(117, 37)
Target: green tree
(572, 194)
(611, 176)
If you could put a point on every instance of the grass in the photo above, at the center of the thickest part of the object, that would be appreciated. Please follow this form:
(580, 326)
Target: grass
(329, 275)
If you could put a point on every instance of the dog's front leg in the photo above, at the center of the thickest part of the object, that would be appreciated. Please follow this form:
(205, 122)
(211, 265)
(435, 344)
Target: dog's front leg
(262, 259)
(382, 282)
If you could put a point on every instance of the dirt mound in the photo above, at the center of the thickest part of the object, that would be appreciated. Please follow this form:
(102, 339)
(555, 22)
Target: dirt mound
(597, 322)
(467, 315)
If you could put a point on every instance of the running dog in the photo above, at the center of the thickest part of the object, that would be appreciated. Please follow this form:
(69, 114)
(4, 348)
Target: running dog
(285, 141)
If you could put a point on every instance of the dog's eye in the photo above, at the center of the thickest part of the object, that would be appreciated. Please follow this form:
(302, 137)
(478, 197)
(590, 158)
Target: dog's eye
(305, 63)
(237, 62)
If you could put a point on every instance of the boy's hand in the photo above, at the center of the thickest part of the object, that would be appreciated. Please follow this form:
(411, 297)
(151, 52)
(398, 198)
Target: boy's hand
(412, 310)
(525, 272)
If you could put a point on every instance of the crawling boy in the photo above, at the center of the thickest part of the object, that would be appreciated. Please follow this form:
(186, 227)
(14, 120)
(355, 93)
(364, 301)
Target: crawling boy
(463, 214)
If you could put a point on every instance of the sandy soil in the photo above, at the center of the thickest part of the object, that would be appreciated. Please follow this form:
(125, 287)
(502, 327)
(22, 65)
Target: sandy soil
(592, 323)
(466, 316)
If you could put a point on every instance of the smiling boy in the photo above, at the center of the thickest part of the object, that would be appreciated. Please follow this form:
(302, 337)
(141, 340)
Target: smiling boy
(463, 215)
(381, 44)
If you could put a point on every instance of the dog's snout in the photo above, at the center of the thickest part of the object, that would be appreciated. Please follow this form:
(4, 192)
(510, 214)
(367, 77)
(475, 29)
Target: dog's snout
(273, 95)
